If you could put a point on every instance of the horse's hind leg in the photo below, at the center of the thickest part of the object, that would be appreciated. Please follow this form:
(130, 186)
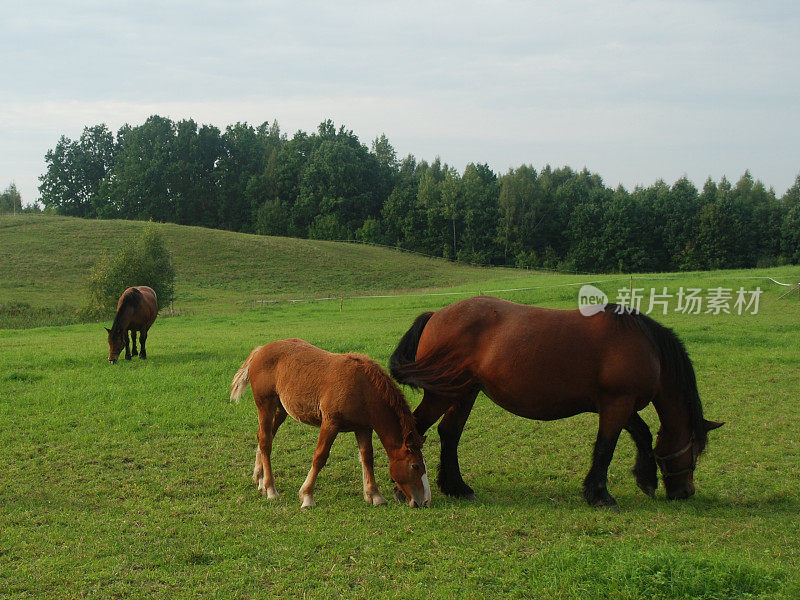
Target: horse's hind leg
(327, 433)
(450, 430)
(613, 416)
(278, 419)
(371, 493)
(134, 351)
(430, 410)
(262, 472)
(645, 468)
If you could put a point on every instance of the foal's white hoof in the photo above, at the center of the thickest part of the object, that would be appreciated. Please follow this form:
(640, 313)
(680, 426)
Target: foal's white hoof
(378, 500)
(308, 502)
(270, 492)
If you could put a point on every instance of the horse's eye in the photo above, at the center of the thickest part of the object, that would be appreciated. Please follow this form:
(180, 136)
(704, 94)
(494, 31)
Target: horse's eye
(415, 467)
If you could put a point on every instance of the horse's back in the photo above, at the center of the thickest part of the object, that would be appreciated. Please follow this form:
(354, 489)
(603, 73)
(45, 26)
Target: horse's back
(143, 305)
(295, 371)
(526, 357)
(312, 382)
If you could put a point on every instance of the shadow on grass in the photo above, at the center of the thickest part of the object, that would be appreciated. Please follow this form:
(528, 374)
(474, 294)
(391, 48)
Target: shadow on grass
(529, 496)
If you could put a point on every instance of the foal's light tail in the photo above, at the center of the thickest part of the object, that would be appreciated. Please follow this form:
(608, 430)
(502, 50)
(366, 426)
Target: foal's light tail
(242, 377)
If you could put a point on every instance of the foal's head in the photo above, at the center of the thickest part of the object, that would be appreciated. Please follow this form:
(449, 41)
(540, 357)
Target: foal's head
(116, 344)
(408, 471)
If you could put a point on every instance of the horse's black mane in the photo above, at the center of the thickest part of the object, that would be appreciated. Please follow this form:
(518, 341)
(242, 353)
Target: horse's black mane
(675, 363)
(132, 298)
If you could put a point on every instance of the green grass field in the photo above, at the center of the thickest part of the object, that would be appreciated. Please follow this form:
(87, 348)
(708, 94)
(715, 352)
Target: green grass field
(133, 480)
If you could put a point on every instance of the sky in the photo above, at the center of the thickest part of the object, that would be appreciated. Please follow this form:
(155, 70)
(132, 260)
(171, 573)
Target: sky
(634, 91)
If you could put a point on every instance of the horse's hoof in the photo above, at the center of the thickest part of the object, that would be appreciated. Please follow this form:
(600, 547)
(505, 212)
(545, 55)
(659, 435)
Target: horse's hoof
(378, 500)
(308, 502)
(649, 490)
(600, 499)
(272, 493)
(605, 503)
(609, 504)
(458, 491)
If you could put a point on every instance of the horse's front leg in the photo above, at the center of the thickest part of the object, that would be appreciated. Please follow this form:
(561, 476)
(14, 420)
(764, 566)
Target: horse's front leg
(612, 418)
(327, 433)
(142, 340)
(371, 493)
(645, 469)
(127, 345)
(134, 351)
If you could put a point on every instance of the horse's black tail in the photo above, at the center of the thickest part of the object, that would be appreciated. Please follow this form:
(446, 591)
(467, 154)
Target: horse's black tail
(441, 372)
(406, 351)
(677, 371)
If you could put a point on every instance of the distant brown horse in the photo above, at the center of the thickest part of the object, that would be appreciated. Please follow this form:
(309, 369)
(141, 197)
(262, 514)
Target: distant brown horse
(137, 310)
(551, 364)
(335, 392)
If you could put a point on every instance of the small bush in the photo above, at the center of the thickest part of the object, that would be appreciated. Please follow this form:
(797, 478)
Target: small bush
(145, 261)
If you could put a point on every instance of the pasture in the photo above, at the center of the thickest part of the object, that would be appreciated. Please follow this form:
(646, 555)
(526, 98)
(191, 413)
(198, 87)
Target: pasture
(133, 480)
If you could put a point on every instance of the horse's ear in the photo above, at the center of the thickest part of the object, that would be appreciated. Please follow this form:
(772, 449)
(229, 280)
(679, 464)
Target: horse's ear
(709, 425)
(410, 439)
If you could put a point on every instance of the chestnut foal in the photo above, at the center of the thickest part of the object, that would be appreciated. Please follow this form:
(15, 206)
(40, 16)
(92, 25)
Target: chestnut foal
(335, 392)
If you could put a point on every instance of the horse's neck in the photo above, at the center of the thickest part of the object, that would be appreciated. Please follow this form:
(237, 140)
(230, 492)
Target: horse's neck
(386, 424)
(674, 416)
(123, 318)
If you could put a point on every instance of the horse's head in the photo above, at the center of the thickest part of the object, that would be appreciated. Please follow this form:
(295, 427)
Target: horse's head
(678, 460)
(408, 471)
(116, 344)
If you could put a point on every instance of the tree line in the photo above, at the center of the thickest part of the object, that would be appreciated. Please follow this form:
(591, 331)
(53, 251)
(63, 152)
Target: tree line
(329, 185)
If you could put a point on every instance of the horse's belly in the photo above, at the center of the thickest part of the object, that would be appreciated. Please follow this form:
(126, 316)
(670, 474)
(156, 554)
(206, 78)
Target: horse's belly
(542, 408)
(539, 385)
(303, 411)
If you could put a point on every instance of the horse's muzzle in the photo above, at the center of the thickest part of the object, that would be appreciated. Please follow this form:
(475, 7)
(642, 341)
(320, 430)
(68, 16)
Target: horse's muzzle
(417, 504)
(682, 494)
(112, 360)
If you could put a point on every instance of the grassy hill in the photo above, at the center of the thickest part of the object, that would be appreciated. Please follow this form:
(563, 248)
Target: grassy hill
(46, 262)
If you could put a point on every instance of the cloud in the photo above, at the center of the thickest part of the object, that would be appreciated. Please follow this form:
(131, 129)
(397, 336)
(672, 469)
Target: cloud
(633, 90)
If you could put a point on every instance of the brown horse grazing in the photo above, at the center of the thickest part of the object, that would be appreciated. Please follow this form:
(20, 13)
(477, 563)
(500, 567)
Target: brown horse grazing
(137, 310)
(335, 392)
(551, 364)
